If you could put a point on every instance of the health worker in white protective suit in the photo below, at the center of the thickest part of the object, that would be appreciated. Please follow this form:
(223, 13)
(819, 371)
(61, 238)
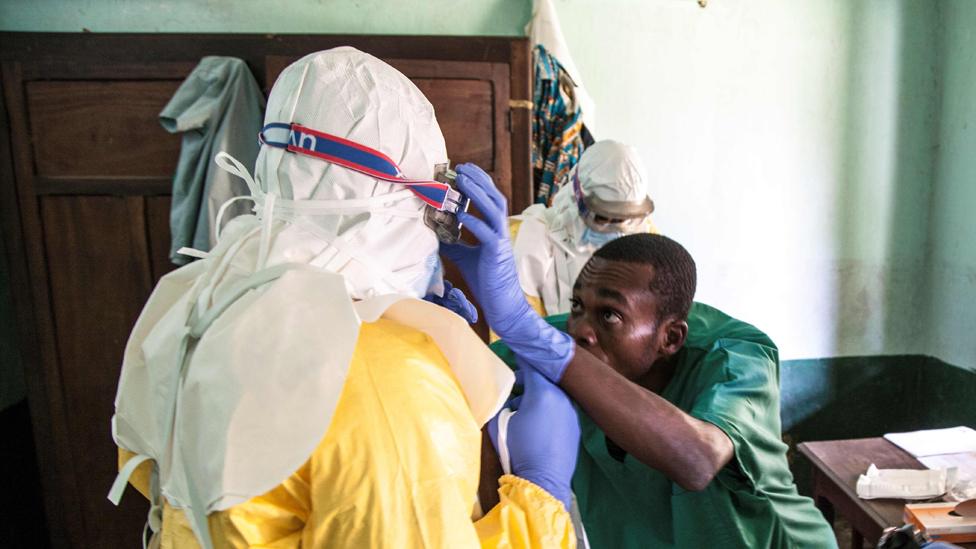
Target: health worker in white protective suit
(291, 390)
(604, 198)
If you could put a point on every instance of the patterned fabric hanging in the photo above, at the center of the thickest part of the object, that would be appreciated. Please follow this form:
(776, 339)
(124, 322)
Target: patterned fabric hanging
(557, 127)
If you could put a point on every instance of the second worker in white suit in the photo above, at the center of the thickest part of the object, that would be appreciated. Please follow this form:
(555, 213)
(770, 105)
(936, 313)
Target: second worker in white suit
(605, 197)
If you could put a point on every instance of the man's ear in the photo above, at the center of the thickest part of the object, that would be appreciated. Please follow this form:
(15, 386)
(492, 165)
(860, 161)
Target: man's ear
(675, 332)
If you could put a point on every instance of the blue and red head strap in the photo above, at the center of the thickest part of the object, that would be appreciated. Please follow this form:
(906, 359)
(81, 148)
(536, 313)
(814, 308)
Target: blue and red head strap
(298, 139)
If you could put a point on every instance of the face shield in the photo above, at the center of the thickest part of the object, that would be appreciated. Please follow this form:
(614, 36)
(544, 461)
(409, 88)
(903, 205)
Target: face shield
(611, 217)
(610, 189)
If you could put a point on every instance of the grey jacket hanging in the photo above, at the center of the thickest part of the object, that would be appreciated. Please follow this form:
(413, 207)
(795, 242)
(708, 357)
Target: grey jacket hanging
(218, 108)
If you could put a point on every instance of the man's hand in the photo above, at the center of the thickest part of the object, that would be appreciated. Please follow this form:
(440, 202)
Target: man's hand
(455, 301)
(489, 269)
(541, 438)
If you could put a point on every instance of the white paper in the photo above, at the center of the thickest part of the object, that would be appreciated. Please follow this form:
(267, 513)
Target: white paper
(901, 483)
(965, 463)
(932, 442)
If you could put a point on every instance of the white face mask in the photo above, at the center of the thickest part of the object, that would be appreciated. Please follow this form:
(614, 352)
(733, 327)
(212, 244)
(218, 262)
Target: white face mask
(597, 239)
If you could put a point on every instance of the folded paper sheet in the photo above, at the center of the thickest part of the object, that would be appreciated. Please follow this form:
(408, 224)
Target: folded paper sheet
(904, 483)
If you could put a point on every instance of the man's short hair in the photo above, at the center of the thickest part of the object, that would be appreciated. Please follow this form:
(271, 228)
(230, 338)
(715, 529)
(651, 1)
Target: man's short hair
(675, 276)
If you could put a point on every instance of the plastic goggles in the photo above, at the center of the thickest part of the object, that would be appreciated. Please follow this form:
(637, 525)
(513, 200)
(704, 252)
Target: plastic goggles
(441, 195)
(607, 216)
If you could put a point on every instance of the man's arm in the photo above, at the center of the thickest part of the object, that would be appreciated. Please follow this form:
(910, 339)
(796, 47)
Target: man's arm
(686, 449)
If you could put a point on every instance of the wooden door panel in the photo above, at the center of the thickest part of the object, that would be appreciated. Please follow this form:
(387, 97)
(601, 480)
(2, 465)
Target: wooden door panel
(101, 129)
(99, 272)
(469, 137)
(157, 226)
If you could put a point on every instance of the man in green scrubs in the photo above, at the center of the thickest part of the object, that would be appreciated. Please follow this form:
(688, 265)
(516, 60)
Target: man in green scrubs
(679, 409)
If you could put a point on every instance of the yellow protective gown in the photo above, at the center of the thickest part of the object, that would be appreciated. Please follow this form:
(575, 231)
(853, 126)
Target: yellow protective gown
(398, 467)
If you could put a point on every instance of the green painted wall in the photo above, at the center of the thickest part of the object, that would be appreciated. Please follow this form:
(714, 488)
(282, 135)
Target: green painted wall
(951, 279)
(490, 17)
(813, 155)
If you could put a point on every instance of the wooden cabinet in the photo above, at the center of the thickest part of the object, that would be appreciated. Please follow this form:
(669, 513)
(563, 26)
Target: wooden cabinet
(85, 174)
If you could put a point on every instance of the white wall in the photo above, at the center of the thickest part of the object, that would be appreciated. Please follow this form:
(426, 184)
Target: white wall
(435, 17)
(789, 146)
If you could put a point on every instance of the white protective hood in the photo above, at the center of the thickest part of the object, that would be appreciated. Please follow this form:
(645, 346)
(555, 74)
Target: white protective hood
(607, 169)
(356, 96)
(612, 171)
(234, 368)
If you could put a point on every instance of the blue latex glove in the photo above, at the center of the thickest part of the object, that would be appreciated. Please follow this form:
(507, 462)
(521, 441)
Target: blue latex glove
(454, 300)
(543, 436)
(489, 269)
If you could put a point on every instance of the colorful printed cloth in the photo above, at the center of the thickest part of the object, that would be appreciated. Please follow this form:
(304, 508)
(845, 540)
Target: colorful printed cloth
(557, 140)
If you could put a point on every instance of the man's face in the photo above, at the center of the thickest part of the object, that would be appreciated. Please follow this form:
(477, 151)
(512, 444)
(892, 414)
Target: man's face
(614, 316)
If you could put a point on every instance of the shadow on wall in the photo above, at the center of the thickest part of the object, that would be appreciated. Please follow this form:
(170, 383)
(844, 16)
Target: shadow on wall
(889, 134)
(919, 112)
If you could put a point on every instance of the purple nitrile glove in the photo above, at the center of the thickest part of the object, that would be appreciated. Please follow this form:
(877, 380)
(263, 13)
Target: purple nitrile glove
(489, 269)
(542, 436)
(454, 300)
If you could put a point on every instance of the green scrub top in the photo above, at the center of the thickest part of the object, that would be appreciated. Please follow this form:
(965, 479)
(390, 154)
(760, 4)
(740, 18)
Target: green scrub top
(727, 374)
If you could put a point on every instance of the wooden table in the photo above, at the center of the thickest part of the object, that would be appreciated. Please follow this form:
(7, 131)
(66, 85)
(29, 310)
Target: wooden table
(836, 466)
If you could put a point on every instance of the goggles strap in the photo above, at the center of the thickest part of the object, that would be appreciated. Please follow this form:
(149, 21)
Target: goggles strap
(298, 139)
(269, 206)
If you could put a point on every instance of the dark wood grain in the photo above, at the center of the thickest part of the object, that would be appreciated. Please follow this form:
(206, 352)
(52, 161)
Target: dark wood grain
(502, 172)
(160, 239)
(56, 54)
(84, 128)
(32, 301)
(520, 77)
(464, 113)
(97, 256)
(111, 185)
